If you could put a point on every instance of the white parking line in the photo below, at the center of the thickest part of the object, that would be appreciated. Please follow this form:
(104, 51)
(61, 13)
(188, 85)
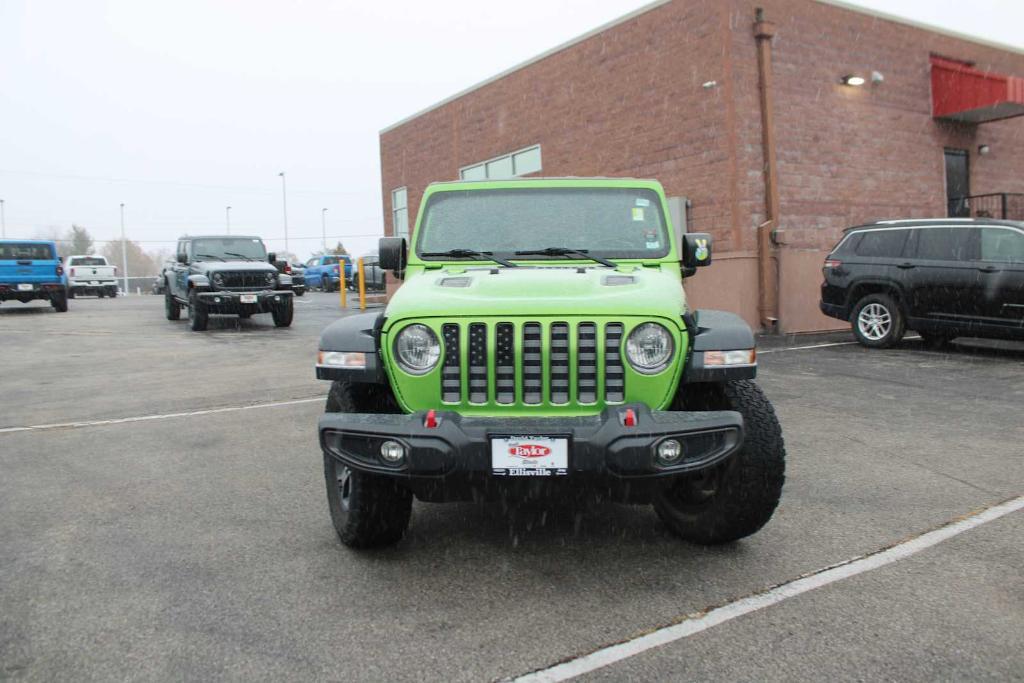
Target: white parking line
(164, 416)
(816, 346)
(822, 577)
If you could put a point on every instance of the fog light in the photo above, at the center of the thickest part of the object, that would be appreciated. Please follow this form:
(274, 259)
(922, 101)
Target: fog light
(392, 452)
(669, 451)
(216, 299)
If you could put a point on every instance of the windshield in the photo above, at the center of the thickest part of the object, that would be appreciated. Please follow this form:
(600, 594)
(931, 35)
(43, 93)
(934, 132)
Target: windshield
(88, 261)
(608, 222)
(229, 249)
(25, 251)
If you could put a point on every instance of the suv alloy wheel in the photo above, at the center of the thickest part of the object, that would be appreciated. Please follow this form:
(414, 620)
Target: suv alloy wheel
(878, 321)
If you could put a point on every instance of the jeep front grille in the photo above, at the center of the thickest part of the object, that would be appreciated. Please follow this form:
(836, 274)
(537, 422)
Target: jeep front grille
(244, 280)
(532, 363)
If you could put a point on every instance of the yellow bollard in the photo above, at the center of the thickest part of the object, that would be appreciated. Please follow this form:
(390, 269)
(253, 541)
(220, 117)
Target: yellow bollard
(341, 283)
(362, 286)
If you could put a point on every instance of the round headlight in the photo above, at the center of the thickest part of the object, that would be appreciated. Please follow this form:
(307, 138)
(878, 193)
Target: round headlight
(270, 278)
(649, 348)
(417, 349)
(218, 279)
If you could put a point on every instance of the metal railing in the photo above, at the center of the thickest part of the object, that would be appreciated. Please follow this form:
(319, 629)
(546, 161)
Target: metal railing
(1005, 205)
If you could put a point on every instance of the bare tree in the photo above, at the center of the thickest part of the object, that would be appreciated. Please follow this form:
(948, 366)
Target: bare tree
(139, 262)
(79, 240)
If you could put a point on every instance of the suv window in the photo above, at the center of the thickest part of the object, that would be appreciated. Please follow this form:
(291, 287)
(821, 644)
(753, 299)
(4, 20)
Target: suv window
(882, 243)
(1002, 244)
(946, 244)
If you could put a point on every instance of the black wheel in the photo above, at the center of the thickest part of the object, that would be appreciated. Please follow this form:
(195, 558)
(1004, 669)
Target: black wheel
(71, 293)
(326, 284)
(112, 292)
(935, 340)
(367, 510)
(299, 292)
(60, 302)
(738, 497)
(198, 318)
(283, 313)
(171, 308)
(878, 321)
(100, 293)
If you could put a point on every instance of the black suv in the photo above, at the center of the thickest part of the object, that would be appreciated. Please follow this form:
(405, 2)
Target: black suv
(942, 277)
(227, 275)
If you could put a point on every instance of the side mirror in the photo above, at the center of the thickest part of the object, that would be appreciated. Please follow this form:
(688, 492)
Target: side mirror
(392, 254)
(271, 257)
(60, 259)
(696, 250)
(182, 258)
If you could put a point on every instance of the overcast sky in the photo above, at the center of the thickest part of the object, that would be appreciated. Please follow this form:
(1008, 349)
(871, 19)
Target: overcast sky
(181, 108)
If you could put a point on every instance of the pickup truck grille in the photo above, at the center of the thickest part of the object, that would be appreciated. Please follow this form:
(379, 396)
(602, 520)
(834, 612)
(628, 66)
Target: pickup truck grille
(245, 280)
(532, 363)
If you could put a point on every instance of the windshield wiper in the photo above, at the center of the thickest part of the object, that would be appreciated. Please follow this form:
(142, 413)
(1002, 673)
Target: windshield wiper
(470, 253)
(231, 253)
(209, 256)
(566, 251)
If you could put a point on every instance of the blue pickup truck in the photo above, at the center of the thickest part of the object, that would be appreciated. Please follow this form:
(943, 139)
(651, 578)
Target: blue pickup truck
(325, 271)
(31, 269)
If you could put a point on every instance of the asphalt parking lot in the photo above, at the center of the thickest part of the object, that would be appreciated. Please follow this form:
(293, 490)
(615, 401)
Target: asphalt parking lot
(166, 519)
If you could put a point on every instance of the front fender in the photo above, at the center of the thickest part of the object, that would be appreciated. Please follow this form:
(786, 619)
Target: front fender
(355, 333)
(718, 331)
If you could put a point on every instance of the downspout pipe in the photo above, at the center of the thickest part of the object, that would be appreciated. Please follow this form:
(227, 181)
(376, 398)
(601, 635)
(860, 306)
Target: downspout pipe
(768, 281)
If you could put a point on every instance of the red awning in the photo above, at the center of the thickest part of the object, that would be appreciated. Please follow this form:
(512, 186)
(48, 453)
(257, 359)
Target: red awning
(963, 93)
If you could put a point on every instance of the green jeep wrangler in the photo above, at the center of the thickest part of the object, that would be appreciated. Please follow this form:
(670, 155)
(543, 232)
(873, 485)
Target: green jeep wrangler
(541, 345)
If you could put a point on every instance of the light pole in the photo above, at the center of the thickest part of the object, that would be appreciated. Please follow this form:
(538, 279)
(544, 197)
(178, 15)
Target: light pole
(227, 212)
(284, 201)
(323, 226)
(3, 220)
(124, 251)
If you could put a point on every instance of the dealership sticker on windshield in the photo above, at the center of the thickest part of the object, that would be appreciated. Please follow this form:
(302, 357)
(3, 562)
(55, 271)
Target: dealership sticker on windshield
(638, 213)
(529, 456)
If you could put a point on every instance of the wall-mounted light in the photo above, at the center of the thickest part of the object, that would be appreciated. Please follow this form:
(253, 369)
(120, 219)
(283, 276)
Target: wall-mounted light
(851, 79)
(984, 149)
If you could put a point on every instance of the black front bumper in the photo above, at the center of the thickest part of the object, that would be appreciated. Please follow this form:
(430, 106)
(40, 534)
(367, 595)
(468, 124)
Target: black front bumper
(256, 302)
(455, 456)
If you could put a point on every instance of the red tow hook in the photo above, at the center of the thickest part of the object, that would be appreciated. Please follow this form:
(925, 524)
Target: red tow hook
(629, 418)
(431, 421)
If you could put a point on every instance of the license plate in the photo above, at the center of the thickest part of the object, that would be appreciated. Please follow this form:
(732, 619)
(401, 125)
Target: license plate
(26, 287)
(94, 282)
(248, 298)
(529, 456)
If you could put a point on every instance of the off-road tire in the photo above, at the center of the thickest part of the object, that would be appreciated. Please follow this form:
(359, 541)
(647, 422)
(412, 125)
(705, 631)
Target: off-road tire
(60, 302)
(198, 317)
(738, 497)
(172, 310)
(367, 510)
(326, 284)
(887, 307)
(283, 313)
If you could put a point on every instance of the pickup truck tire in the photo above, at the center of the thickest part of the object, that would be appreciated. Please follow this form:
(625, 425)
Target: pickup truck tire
(878, 321)
(198, 318)
(71, 293)
(60, 302)
(283, 313)
(171, 307)
(100, 293)
(738, 497)
(367, 510)
(112, 292)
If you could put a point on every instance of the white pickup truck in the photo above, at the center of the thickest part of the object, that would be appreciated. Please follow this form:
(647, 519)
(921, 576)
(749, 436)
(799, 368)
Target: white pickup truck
(91, 275)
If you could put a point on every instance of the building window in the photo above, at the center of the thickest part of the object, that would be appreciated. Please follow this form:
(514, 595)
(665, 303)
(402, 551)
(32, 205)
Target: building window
(399, 213)
(511, 165)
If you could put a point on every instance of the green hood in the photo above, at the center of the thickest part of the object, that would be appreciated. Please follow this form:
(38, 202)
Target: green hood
(530, 290)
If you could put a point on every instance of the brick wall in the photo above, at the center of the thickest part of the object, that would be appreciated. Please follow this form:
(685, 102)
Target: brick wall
(630, 102)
